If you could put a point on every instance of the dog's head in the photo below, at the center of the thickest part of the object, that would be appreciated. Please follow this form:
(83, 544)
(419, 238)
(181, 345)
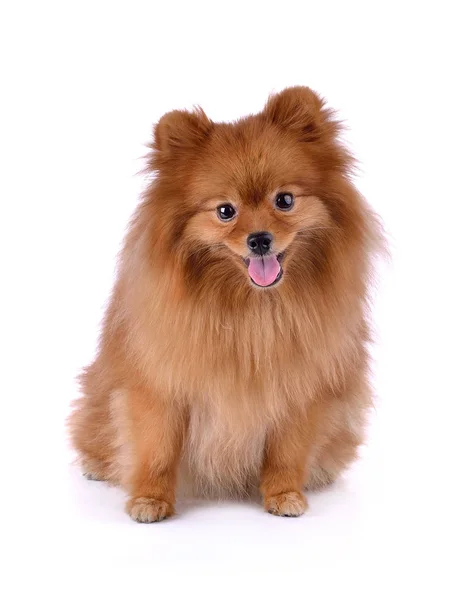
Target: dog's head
(250, 203)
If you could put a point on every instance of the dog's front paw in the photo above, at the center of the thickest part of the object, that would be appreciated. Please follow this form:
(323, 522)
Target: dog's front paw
(149, 510)
(287, 504)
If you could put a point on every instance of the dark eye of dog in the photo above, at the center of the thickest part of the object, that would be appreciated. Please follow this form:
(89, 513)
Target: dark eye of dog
(284, 201)
(226, 212)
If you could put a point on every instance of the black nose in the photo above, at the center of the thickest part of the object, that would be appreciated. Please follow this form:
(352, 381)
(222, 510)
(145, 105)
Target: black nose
(260, 242)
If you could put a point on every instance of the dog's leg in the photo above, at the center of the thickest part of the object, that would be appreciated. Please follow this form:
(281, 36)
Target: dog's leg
(284, 468)
(156, 430)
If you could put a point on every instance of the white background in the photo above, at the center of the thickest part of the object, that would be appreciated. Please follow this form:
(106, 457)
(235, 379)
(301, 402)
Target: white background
(82, 83)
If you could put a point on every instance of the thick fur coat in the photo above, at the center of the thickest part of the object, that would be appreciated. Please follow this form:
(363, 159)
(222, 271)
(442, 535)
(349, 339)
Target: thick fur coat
(203, 377)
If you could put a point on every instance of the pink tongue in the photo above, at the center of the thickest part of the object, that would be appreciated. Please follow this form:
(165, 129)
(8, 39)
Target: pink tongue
(264, 270)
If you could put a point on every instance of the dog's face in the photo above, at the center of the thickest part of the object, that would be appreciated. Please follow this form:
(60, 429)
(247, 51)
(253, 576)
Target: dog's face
(248, 194)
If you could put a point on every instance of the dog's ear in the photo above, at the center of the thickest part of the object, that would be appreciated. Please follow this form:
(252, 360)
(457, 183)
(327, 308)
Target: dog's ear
(301, 111)
(181, 129)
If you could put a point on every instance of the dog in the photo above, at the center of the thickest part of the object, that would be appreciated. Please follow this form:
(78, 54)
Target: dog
(233, 357)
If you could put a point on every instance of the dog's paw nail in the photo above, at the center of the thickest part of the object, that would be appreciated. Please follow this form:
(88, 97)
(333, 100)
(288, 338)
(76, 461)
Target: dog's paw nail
(93, 477)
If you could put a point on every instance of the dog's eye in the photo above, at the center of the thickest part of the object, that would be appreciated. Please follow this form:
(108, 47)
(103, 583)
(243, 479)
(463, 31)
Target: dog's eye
(284, 201)
(226, 212)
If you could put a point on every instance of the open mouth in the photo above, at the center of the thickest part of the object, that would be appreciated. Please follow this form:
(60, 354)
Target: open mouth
(265, 271)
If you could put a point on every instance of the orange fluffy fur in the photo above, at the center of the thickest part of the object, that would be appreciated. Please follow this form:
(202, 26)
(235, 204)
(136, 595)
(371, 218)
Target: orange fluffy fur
(202, 377)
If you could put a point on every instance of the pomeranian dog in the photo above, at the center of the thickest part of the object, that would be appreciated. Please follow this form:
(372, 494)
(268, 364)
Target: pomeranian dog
(233, 354)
